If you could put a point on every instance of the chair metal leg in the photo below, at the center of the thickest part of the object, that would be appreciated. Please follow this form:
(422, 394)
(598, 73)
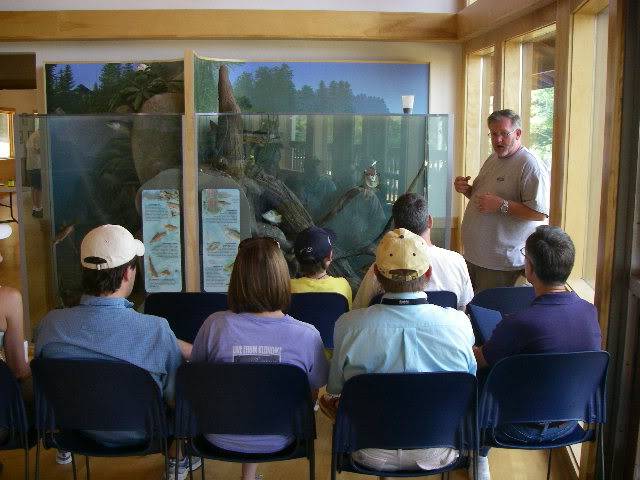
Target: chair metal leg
(26, 463)
(38, 459)
(203, 459)
(177, 459)
(190, 469)
(86, 463)
(73, 465)
(165, 452)
(549, 465)
(601, 442)
(333, 465)
(312, 461)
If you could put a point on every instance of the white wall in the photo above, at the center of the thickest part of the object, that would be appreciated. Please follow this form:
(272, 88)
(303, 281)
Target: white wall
(430, 6)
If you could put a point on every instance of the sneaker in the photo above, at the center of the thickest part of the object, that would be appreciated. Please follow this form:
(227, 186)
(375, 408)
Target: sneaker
(183, 467)
(63, 458)
(483, 469)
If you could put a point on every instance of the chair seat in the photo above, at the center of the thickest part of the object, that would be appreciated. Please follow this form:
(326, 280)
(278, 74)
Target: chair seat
(577, 435)
(82, 444)
(347, 464)
(201, 447)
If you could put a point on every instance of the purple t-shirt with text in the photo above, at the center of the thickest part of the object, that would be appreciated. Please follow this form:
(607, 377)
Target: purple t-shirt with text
(245, 337)
(554, 323)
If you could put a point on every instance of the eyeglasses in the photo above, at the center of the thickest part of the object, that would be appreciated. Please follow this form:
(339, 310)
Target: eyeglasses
(250, 240)
(500, 134)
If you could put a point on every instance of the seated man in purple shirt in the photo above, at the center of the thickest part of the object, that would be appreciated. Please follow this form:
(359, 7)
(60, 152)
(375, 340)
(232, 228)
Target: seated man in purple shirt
(558, 321)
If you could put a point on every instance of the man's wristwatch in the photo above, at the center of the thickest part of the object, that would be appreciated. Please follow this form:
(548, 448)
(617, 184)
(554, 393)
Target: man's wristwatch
(504, 207)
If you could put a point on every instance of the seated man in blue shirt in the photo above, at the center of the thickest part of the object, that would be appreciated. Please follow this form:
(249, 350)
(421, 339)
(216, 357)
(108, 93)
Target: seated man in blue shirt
(558, 321)
(403, 333)
(105, 325)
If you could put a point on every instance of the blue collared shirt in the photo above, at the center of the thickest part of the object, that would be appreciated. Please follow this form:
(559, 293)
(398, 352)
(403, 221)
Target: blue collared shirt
(400, 338)
(109, 328)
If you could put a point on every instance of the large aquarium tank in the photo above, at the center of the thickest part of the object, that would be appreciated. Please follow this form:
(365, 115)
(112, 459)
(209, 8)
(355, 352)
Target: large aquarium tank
(257, 175)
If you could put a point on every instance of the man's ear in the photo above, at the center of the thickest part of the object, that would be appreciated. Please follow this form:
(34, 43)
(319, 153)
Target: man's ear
(429, 222)
(427, 274)
(129, 273)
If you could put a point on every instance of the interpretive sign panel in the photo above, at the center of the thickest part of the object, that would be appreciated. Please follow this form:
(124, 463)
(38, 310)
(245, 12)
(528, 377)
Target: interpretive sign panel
(162, 241)
(220, 214)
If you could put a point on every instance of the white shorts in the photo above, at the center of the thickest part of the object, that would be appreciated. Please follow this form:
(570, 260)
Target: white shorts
(394, 460)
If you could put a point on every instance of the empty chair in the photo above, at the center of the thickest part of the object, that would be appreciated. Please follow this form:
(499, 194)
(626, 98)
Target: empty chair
(559, 389)
(75, 396)
(185, 311)
(504, 299)
(489, 306)
(320, 310)
(403, 411)
(245, 399)
(442, 298)
(14, 430)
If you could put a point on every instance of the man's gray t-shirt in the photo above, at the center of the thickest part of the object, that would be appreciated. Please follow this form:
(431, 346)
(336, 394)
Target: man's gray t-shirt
(493, 240)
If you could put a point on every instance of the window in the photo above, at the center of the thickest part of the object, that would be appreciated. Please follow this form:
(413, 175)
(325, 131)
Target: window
(6, 133)
(529, 87)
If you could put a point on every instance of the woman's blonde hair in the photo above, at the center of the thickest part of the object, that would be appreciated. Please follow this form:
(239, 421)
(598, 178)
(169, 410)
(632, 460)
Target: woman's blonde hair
(260, 279)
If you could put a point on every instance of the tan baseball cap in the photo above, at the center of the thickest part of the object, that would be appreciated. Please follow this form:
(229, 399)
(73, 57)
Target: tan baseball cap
(402, 255)
(109, 246)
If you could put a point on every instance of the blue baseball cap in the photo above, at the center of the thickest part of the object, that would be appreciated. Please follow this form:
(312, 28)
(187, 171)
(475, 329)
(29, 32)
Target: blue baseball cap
(313, 244)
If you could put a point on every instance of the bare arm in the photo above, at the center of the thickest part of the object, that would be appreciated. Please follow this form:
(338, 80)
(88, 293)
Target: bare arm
(11, 311)
(185, 349)
(480, 360)
(490, 203)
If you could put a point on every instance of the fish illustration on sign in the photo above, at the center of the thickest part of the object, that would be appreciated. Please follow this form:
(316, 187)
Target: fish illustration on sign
(232, 233)
(217, 202)
(152, 269)
(158, 236)
(213, 247)
(170, 227)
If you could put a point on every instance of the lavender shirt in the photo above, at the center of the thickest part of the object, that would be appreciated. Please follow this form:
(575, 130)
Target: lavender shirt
(244, 337)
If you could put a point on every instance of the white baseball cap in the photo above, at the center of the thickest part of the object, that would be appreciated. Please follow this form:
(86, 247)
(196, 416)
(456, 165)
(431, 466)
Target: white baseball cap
(109, 246)
(402, 255)
(5, 230)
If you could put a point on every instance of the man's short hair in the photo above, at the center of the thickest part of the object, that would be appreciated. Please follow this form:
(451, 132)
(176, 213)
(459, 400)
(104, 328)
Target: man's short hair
(411, 212)
(551, 253)
(260, 279)
(496, 116)
(398, 286)
(105, 281)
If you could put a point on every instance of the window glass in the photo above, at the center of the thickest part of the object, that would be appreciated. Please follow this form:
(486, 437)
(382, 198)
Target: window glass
(5, 134)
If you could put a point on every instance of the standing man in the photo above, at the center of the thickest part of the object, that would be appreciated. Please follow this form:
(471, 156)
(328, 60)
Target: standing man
(508, 199)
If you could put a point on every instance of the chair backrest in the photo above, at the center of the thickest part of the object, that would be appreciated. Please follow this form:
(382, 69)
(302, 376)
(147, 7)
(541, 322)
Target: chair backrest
(320, 310)
(407, 410)
(185, 311)
(12, 412)
(243, 398)
(545, 388)
(96, 395)
(442, 298)
(505, 299)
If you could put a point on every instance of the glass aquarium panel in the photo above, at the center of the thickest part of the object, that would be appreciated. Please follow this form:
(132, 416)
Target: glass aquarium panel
(277, 174)
(84, 171)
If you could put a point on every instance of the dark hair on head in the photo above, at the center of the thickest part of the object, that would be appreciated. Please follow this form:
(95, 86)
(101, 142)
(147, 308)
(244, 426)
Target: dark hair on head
(107, 281)
(551, 253)
(513, 117)
(313, 268)
(411, 212)
(397, 286)
(260, 279)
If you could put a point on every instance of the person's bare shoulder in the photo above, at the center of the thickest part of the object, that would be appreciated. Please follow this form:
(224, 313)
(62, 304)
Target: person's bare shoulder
(9, 296)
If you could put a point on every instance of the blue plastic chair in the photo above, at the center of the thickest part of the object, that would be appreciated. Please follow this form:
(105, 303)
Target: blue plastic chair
(545, 388)
(245, 399)
(408, 411)
(73, 396)
(442, 298)
(13, 417)
(185, 311)
(321, 310)
(504, 300)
